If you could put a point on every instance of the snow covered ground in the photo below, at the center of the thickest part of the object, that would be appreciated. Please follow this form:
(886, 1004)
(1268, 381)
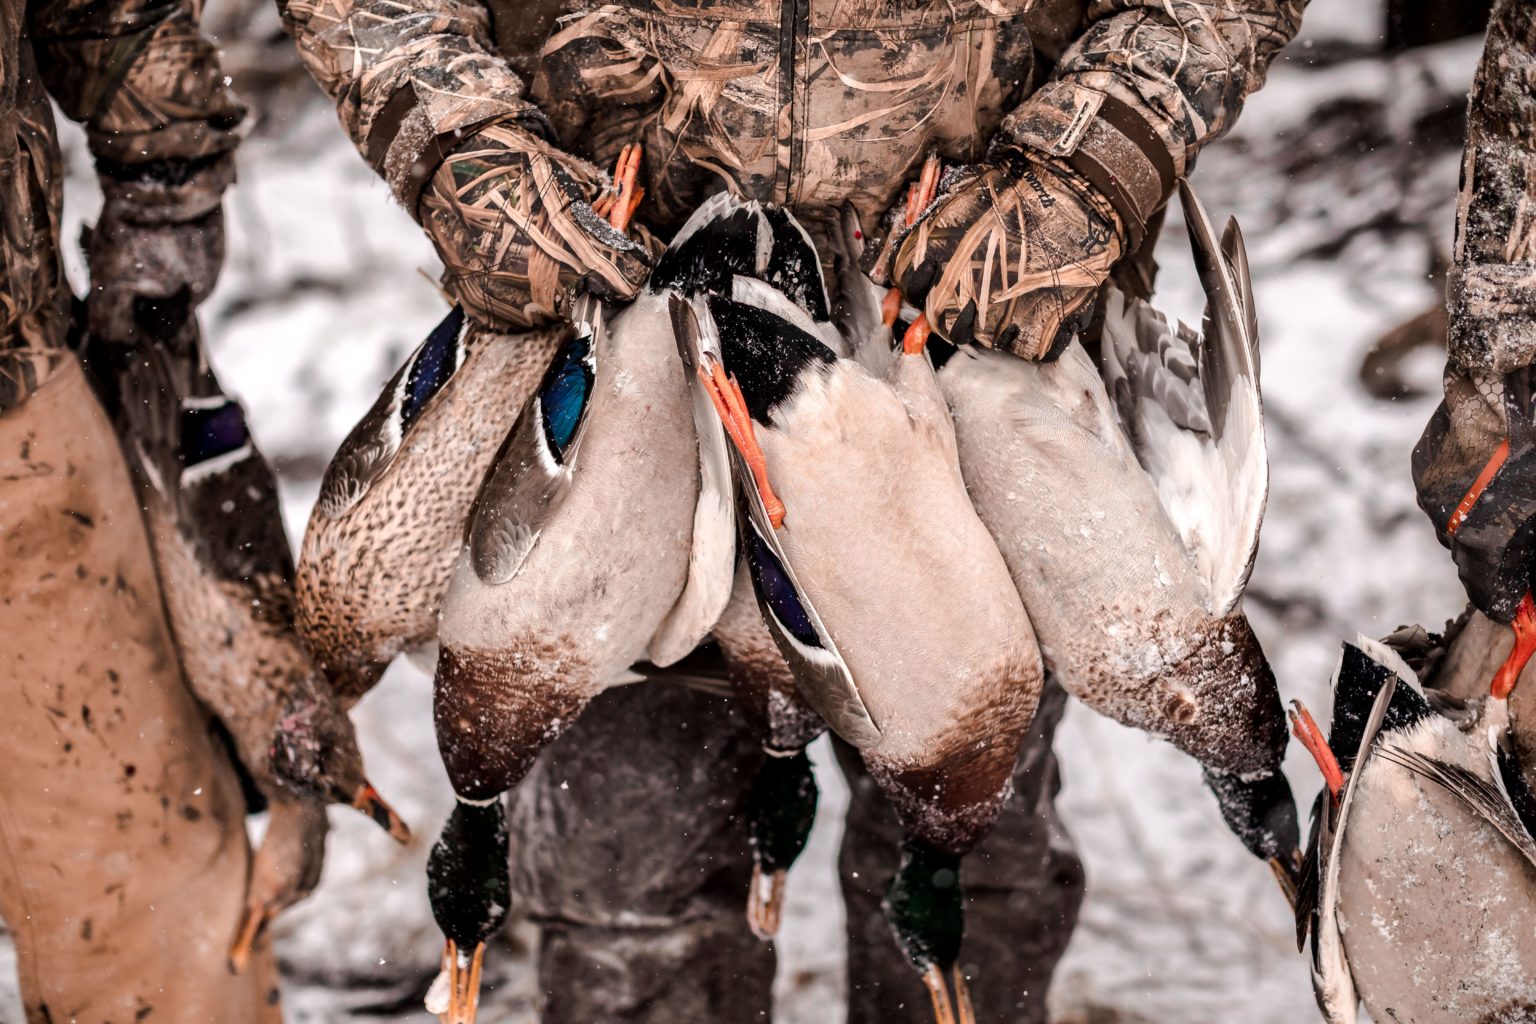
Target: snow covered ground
(1343, 191)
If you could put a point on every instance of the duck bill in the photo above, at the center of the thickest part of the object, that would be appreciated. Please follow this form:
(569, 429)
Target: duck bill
(1287, 875)
(948, 1008)
(253, 922)
(455, 996)
(367, 800)
(765, 902)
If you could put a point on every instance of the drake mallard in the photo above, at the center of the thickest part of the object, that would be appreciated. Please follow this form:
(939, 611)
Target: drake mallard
(601, 537)
(883, 590)
(210, 506)
(1127, 503)
(1419, 889)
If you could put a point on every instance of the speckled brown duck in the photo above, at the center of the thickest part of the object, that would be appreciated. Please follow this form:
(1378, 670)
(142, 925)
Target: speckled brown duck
(226, 571)
(880, 585)
(1420, 884)
(386, 531)
(1127, 501)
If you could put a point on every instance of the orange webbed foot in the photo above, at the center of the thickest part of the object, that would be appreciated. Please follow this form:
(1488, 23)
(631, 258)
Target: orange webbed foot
(1524, 625)
(1305, 728)
(729, 402)
(919, 197)
(619, 207)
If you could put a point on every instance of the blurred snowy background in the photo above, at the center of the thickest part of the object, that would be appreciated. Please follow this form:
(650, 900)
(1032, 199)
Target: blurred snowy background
(1342, 172)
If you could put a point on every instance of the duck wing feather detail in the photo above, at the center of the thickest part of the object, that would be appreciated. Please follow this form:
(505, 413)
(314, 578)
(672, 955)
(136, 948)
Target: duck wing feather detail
(1191, 407)
(532, 473)
(712, 554)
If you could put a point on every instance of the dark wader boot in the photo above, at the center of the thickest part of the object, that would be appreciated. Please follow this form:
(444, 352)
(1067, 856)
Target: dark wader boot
(629, 852)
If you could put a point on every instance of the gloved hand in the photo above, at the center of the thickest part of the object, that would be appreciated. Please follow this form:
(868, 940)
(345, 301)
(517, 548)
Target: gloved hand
(513, 222)
(1479, 492)
(1011, 255)
(157, 246)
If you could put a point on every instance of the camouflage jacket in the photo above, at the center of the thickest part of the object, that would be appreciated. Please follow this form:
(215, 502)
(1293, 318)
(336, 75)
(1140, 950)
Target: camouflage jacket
(809, 103)
(148, 88)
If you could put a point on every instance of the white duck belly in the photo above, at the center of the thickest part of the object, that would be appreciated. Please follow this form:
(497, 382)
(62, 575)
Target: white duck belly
(1117, 604)
(1437, 911)
(609, 565)
(891, 554)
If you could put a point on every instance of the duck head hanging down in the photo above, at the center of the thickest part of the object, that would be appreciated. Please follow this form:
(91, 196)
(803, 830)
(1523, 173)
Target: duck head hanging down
(886, 595)
(1126, 501)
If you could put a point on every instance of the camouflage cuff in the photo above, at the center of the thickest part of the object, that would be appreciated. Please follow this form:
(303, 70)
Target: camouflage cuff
(166, 191)
(406, 149)
(1107, 142)
(172, 101)
(1493, 306)
(409, 136)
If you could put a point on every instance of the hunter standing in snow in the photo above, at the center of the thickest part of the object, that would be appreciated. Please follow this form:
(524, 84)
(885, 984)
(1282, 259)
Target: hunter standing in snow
(123, 854)
(1078, 118)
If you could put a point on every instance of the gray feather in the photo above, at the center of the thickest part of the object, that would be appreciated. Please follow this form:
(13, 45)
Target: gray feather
(1478, 795)
(527, 484)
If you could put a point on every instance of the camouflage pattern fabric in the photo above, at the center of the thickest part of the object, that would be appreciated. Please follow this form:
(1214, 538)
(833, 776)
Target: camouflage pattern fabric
(1490, 384)
(808, 103)
(159, 118)
(513, 222)
(34, 305)
(1011, 256)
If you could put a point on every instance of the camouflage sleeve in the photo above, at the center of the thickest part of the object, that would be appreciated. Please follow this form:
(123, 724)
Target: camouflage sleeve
(410, 78)
(1491, 289)
(1146, 85)
(140, 76)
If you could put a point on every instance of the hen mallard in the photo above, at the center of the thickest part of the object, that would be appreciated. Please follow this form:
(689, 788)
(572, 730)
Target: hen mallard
(386, 530)
(226, 572)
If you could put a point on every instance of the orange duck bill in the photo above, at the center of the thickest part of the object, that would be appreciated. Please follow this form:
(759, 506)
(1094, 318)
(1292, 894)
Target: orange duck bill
(367, 800)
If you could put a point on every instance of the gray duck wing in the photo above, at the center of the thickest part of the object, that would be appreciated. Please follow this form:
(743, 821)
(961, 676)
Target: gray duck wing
(531, 475)
(712, 551)
(1191, 408)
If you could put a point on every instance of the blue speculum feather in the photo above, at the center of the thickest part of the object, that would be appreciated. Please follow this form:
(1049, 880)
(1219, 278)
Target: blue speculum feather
(567, 389)
(433, 365)
(208, 433)
(778, 593)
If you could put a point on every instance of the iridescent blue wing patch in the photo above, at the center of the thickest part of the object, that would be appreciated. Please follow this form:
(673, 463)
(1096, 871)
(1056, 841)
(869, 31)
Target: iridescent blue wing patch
(566, 394)
(531, 475)
(777, 593)
(211, 431)
(434, 363)
(372, 445)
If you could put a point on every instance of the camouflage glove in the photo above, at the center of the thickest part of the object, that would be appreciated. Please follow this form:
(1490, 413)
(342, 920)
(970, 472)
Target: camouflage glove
(513, 222)
(157, 247)
(1475, 470)
(1011, 254)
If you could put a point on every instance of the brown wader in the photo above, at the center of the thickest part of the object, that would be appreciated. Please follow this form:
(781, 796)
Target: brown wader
(123, 854)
